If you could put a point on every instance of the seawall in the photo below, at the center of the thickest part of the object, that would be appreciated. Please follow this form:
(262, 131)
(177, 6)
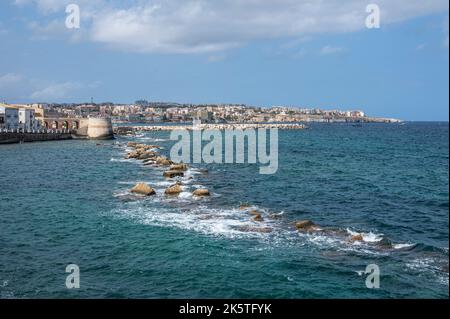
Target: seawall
(10, 138)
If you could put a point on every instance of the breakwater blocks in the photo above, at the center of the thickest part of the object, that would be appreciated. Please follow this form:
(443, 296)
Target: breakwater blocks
(10, 138)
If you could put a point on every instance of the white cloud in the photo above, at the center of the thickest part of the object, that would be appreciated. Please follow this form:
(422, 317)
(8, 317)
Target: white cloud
(328, 49)
(14, 86)
(201, 26)
(9, 79)
(56, 91)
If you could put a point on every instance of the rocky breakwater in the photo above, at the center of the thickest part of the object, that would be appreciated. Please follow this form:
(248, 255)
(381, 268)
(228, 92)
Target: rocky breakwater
(247, 218)
(130, 130)
(150, 156)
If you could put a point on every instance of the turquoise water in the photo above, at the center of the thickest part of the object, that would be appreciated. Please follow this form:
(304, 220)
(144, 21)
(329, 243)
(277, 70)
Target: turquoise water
(69, 202)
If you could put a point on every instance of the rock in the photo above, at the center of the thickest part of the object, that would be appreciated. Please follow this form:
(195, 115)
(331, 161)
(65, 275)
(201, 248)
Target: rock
(255, 213)
(146, 155)
(132, 155)
(143, 189)
(275, 216)
(132, 144)
(258, 218)
(255, 229)
(179, 167)
(165, 163)
(244, 206)
(172, 174)
(357, 237)
(174, 189)
(161, 160)
(201, 192)
(304, 225)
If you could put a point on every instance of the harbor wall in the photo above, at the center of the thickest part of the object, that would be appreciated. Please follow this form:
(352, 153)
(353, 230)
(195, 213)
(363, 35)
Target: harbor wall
(10, 138)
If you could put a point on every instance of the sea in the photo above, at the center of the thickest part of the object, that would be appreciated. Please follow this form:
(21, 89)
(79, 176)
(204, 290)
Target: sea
(69, 202)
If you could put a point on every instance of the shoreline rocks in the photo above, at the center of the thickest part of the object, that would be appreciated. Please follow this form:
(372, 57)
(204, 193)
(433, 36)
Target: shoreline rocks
(201, 192)
(143, 189)
(250, 229)
(306, 226)
(174, 189)
(258, 218)
(178, 167)
(357, 238)
(172, 174)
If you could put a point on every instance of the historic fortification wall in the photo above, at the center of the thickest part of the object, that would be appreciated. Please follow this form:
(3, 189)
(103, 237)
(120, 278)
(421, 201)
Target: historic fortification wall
(100, 128)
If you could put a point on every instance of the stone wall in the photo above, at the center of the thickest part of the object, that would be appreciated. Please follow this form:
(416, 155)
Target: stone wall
(100, 128)
(10, 138)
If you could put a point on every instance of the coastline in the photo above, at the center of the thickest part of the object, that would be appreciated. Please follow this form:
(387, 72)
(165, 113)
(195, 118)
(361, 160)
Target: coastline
(240, 126)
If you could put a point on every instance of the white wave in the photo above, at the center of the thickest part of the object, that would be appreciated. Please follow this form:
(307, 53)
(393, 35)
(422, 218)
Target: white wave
(164, 183)
(217, 222)
(428, 265)
(121, 160)
(185, 195)
(402, 246)
(367, 237)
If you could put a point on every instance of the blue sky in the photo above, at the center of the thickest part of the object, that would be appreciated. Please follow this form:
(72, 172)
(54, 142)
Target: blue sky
(284, 52)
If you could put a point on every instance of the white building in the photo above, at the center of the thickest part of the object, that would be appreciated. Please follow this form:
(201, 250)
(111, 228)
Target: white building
(10, 118)
(27, 119)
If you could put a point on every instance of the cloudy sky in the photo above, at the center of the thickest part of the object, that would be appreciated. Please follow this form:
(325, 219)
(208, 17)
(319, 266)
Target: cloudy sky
(309, 53)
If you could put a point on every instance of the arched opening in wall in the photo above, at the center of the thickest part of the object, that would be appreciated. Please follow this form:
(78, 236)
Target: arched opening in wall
(46, 125)
(75, 125)
(65, 125)
(55, 125)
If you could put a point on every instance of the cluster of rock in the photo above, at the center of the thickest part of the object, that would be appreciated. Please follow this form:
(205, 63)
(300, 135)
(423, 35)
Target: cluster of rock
(303, 226)
(150, 156)
(307, 226)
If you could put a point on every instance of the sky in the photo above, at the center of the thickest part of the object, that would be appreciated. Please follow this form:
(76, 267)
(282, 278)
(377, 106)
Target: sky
(305, 53)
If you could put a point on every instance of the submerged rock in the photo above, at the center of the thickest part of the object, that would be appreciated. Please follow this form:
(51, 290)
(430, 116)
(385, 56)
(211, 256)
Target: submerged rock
(357, 237)
(201, 192)
(255, 213)
(172, 174)
(255, 229)
(179, 167)
(143, 189)
(258, 218)
(244, 206)
(306, 225)
(275, 216)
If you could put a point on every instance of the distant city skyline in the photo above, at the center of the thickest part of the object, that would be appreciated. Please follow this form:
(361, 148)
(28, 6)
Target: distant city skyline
(289, 53)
